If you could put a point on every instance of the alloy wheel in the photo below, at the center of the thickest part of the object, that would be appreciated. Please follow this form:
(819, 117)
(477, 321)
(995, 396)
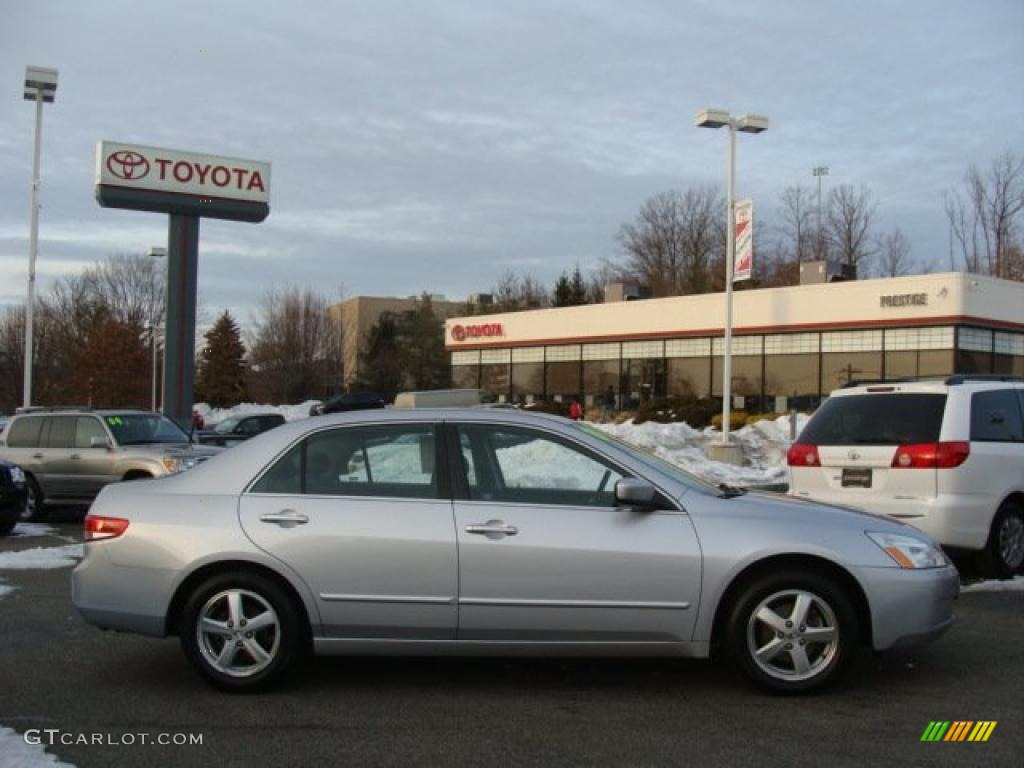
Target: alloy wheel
(238, 633)
(1011, 541)
(792, 635)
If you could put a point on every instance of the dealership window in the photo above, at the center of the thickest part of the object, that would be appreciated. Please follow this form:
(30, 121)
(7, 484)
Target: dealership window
(850, 356)
(974, 351)
(494, 372)
(746, 370)
(643, 372)
(1009, 358)
(913, 352)
(562, 372)
(791, 371)
(688, 367)
(598, 375)
(527, 374)
(466, 369)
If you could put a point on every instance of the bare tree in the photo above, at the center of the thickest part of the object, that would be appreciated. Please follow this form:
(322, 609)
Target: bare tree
(515, 292)
(797, 227)
(894, 254)
(295, 346)
(848, 223)
(985, 217)
(674, 240)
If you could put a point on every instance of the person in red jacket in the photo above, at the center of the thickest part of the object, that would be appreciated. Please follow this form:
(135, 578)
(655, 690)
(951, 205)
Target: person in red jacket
(575, 410)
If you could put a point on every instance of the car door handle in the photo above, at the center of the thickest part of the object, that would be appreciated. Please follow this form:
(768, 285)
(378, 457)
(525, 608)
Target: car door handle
(76, 456)
(37, 455)
(285, 517)
(492, 527)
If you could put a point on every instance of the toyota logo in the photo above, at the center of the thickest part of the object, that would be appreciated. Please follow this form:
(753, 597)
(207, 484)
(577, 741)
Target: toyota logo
(127, 165)
(854, 455)
(458, 333)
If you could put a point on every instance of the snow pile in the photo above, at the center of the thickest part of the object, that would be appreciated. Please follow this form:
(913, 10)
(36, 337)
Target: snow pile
(17, 754)
(25, 530)
(5, 589)
(41, 558)
(213, 416)
(1015, 584)
(764, 448)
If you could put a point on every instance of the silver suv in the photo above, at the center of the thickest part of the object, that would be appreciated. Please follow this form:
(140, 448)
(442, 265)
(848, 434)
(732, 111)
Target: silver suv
(68, 455)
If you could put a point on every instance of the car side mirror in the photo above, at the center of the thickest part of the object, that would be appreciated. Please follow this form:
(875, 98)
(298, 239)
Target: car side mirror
(99, 442)
(635, 493)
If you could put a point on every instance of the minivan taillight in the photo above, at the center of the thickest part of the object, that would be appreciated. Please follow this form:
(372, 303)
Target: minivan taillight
(931, 455)
(98, 528)
(803, 455)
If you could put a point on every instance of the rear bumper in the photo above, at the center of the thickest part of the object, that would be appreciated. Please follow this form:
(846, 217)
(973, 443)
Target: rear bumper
(118, 597)
(909, 607)
(953, 520)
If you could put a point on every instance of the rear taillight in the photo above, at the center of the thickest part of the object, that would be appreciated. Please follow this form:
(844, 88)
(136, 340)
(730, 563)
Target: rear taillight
(803, 455)
(931, 455)
(98, 528)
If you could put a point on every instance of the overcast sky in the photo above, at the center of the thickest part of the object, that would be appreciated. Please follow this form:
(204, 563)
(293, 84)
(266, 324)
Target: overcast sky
(431, 145)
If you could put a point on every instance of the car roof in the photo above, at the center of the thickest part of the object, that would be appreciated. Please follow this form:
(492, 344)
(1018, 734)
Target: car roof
(938, 385)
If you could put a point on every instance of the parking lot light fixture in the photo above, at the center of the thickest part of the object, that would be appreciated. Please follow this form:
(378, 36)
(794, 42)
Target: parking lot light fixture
(747, 123)
(40, 87)
(156, 252)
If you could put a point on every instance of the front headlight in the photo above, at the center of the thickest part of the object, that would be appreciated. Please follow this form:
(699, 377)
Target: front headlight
(17, 475)
(908, 551)
(172, 464)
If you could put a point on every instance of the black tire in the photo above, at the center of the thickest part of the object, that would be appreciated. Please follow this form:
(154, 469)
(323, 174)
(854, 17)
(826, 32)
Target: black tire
(284, 644)
(34, 510)
(1003, 556)
(779, 673)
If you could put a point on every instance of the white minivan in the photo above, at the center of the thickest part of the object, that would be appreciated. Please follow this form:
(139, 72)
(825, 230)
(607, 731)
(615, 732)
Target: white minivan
(944, 455)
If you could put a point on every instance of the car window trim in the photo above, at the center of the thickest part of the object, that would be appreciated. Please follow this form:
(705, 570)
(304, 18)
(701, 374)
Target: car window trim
(460, 486)
(441, 492)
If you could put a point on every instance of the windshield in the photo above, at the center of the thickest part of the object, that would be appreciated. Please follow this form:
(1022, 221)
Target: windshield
(143, 428)
(655, 462)
(225, 426)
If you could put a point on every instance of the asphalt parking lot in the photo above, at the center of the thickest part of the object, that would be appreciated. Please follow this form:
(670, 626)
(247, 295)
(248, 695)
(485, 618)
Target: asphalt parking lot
(56, 672)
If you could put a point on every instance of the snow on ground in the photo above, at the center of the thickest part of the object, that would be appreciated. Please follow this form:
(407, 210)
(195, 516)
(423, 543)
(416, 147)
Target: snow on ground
(24, 530)
(213, 416)
(15, 753)
(41, 558)
(764, 448)
(5, 589)
(1015, 584)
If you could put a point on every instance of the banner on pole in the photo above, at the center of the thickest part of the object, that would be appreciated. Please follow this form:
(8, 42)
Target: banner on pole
(744, 263)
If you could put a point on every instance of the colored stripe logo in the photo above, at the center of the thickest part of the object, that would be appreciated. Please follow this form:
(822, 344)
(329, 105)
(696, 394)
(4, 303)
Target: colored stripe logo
(958, 730)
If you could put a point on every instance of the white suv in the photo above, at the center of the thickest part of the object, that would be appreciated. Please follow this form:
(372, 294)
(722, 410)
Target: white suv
(945, 455)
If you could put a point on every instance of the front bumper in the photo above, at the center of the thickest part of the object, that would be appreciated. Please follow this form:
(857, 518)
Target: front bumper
(909, 607)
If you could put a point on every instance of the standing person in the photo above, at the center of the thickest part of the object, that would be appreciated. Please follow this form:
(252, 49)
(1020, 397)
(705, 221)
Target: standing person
(609, 403)
(575, 410)
(197, 420)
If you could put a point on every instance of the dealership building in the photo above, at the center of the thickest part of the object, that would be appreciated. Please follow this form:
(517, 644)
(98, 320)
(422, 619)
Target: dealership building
(791, 346)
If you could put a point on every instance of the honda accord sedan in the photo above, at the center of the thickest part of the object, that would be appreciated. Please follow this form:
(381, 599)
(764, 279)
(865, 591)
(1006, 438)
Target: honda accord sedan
(494, 532)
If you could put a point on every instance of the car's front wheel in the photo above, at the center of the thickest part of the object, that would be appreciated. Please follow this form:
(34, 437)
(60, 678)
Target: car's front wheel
(241, 631)
(792, 632)
(32, 511)
(1003, 556)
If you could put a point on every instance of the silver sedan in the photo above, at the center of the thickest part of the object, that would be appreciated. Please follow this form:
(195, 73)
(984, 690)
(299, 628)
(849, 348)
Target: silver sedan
(484, 531)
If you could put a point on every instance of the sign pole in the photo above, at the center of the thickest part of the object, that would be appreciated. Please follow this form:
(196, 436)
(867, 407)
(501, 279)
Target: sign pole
(180, 325)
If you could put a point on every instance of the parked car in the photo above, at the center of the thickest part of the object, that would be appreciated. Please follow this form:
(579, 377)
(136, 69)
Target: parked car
(12, 496)
(337, 534)
(69, 454)
(234, 430)
(350, 401)
(945, 455)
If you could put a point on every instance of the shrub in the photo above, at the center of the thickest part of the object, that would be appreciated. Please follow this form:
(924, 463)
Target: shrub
(696, 412)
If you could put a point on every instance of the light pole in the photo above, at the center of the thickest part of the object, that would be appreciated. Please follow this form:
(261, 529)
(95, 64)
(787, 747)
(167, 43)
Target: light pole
(155, 253)
(819, 171)
(717, 118)
(40, 87)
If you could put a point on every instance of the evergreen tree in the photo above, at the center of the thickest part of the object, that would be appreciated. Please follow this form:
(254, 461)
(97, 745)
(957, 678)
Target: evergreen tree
(220, 379)
(381, 370)
(577, 288)
(563, 292)
(421, 352)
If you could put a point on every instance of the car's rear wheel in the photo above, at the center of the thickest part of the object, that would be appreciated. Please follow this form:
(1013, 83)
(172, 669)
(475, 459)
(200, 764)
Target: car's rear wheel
(241, 631)
(1003, 556)
(33, 510)
(792, 632)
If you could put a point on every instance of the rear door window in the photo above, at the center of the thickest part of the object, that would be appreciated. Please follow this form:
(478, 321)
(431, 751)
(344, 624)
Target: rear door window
(24, 433)
(996, 417)
(62, 432)
(877, 419)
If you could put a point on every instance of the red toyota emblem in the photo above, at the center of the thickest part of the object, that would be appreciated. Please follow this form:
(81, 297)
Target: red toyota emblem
(127, 165)
(458, 333)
